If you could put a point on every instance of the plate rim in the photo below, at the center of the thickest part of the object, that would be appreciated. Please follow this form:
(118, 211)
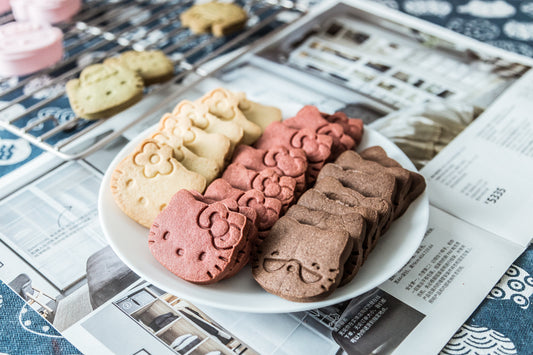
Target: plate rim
(422, 205)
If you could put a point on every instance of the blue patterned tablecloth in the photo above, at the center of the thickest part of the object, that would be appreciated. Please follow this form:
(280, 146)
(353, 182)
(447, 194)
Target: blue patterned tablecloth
(502, 324)
(24, 331)
(505, 24)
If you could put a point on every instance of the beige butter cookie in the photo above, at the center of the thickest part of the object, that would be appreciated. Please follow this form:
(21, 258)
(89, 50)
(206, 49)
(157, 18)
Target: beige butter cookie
(201, 118)
(153, 66)
(143, 183)
(204, 153)
(103, 91)
(225, 105)
(216, 17)
(261, 115)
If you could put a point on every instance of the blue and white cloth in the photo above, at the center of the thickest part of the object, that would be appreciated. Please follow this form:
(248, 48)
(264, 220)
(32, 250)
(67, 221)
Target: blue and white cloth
(24, 331)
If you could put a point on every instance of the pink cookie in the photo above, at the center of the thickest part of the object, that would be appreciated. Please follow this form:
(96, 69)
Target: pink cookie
(352, 126)
(243, 254)
(196, 241)
(310, 117)
(285, 161)
(28, 47)
(45, 11)
(317, 147)
(267, 209)
(267, 181)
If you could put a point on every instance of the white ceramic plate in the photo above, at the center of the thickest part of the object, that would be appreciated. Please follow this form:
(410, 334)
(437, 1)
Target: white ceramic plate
(241, 293)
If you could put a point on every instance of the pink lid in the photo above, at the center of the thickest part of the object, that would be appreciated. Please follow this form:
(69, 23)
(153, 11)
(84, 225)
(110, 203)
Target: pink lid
(4, 6)
(48, 11)
(28, 47)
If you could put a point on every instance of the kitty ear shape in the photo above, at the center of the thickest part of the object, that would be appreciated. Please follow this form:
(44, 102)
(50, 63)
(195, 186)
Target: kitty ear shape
(184, 107)
(191, 111)
(97, 72)
(291, 162)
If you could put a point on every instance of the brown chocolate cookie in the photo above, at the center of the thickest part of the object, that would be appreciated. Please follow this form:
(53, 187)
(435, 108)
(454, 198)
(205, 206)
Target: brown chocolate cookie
(418, 183)
(319, 201)
(352, 160)
(300, 262)
(380, 185)
(353, 223)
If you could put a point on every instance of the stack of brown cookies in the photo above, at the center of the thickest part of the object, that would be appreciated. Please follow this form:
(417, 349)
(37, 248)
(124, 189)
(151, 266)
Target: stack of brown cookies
(323, 240)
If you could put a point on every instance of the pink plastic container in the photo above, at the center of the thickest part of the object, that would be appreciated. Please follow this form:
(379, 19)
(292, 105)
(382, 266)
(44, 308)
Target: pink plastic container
(27, 47)
(48, 11)
(4, 6)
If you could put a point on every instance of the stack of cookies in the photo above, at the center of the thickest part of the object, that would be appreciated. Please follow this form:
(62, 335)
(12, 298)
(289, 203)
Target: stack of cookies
(189, 150)
(323, 240)
(261, 183)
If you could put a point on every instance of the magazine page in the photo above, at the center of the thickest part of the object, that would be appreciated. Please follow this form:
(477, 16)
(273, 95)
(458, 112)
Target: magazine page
(484, 175)
(147, 320)
(454, 268)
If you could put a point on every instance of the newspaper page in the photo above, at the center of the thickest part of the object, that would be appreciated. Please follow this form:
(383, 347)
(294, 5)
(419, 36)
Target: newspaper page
(484, 176)
(454, 268)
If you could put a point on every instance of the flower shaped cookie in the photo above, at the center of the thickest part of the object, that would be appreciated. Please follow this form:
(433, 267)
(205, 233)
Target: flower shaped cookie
(153, 159)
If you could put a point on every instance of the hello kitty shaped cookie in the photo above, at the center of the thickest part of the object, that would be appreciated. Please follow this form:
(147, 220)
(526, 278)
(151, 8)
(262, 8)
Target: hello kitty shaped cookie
(199, 115)
(104, 90)
(143, 183)
(206, 252)
(153, 66)
(301, 262)
(225, 105)
(181, 131)
(267, 181)
(317, 147)
(220, 18)
(261, 115)
(28, 47)
(284, 161)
